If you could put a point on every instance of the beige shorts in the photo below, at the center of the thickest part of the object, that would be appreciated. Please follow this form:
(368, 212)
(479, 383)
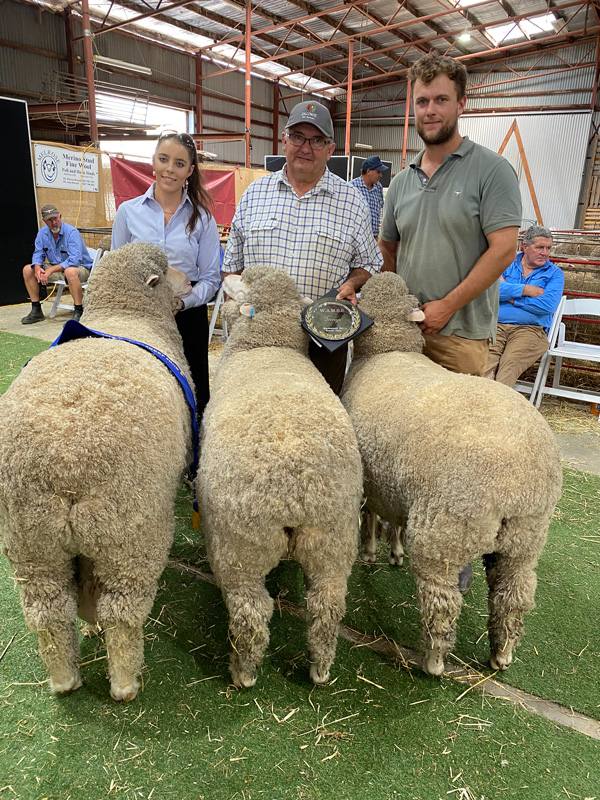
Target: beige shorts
(468, 356)
(84, 274)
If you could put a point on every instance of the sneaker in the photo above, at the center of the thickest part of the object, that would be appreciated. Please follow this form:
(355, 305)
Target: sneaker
(465, 579)
(77, 314)
(35, 315)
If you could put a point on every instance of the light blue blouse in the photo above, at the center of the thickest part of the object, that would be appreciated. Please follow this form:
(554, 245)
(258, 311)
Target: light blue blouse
(198, 256)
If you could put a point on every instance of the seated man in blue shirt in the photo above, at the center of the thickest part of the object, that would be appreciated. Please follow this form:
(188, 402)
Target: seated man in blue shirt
(530, 291)
(59, 252)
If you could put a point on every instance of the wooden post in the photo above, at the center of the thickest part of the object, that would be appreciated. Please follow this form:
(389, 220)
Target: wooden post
(514, 128)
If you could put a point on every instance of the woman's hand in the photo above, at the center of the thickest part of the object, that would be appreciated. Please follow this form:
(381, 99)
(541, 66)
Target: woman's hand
(177, 305)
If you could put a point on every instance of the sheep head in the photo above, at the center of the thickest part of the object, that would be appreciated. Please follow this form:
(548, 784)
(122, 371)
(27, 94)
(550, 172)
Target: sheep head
(265, 310)
(386, 300)
(125, 277)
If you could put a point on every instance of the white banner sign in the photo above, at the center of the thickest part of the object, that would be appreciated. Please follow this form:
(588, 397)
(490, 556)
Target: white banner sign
(58, 168)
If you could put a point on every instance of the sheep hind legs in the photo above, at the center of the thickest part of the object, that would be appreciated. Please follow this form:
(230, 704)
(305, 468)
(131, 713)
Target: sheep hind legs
(49, 606)
(125, 649)
(512, 584)
(325, 604)
(368, 536)
(59, 650)
(326, 569)
(393, 535)
(250, 609)
(371, 528)
(440, 603)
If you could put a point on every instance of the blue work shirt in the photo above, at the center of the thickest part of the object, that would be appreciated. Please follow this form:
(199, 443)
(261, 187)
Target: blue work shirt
(68, 250)
(530, 310)
(197, 255)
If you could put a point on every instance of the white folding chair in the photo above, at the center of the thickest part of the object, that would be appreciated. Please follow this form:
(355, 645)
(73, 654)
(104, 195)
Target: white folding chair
(526, 387)
(561, 347)
(61, 285)
(216, 304)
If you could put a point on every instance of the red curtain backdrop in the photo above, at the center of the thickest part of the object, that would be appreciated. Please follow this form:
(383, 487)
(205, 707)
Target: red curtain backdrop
(132, 178)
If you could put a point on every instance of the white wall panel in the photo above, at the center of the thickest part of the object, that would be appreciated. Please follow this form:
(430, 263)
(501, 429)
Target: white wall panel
(555, 147)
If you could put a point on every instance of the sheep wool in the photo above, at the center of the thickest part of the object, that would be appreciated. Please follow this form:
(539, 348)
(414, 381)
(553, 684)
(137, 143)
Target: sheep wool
(464, 465)
(280, 474)
(94, 435)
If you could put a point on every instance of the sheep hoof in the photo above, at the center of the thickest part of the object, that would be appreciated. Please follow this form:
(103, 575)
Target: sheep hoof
(396, 559)
(500, 661)
(433, 662)
(125, 694)
(369, 558)
(242, 680)
(65, 688)
(318, 678)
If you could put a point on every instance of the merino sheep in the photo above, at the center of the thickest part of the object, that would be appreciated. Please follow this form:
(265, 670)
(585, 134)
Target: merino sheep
(279, 475)
(466, 466)
(94, 435)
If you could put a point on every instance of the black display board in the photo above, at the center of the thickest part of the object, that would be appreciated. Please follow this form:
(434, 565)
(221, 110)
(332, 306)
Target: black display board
(336, 164)
(17, 200)
(386, 177)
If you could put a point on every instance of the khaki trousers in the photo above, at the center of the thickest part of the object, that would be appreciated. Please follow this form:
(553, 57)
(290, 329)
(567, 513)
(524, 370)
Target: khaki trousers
(456, 353)
(517, 347)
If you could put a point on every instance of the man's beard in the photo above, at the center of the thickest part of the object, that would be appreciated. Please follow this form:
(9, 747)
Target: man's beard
(445, 133)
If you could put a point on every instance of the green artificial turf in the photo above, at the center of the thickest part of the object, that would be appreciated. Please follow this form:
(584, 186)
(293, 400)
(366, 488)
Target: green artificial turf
(15, 351)
(376, 732)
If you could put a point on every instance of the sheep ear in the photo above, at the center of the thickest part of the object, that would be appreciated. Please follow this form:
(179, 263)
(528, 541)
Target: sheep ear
(416, 315)
(152, 280)
(247, 310)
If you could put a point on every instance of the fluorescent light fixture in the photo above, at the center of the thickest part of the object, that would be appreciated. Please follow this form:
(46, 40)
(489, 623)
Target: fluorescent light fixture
(115, 62)
(359, 146)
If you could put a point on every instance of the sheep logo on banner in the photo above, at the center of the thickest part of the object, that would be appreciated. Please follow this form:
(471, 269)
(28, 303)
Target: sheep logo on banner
(49, 167)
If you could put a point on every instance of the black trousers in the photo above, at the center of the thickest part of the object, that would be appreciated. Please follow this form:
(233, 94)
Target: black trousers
(332, 366)
(193, 327)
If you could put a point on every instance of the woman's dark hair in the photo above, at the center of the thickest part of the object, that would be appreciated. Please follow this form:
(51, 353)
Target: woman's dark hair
(199, 197)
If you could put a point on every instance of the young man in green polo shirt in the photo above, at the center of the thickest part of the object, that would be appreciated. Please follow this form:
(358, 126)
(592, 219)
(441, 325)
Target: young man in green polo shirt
(450, 222)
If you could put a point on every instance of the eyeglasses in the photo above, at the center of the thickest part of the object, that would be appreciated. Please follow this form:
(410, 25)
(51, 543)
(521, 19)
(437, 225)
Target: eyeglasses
(316, 142)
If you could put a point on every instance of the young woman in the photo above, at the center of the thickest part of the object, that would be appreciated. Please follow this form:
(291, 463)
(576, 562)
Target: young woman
(175, 214)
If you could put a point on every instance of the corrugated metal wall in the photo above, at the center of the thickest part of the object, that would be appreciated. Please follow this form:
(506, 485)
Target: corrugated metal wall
(557, 168)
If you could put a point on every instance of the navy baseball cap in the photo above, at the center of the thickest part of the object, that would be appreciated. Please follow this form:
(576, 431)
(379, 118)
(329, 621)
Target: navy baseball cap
(374, 162)
(313, 113)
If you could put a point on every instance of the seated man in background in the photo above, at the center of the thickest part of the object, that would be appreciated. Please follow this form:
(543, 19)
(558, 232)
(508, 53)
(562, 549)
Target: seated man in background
(530, 291)
(59, 252)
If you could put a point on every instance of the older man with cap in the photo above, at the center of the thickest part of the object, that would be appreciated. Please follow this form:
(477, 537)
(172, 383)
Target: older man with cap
(59, 252)
(308, 222)
(369, 187)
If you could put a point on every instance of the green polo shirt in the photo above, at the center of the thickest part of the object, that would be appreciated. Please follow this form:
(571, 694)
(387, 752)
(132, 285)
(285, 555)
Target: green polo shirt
(441, 224)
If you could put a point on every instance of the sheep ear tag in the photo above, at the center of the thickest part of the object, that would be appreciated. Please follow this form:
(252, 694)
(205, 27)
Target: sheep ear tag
(332, 323)
(247, 310)
(416, 315)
